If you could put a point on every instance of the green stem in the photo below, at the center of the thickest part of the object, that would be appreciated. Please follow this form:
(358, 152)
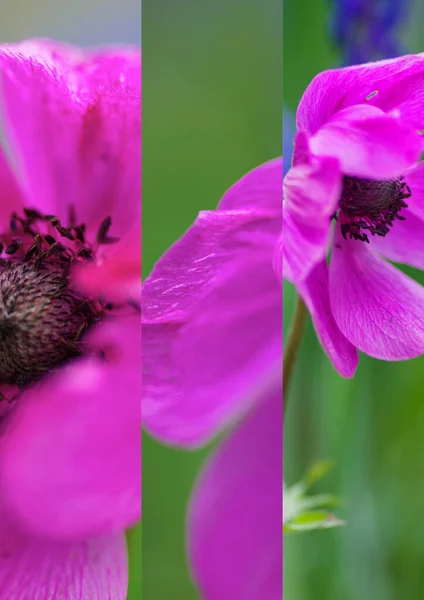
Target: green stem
(292, 347)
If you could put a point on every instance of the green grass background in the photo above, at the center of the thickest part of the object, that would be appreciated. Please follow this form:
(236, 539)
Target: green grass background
(211, 111)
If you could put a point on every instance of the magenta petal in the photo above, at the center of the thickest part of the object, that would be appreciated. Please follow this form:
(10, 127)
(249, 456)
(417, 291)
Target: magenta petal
(10, 195)
(387, 84)
(119, 277)
(300, 247)
(234, 524)
(377, 307)
(368, 142)
(32, 568)
(315, 294)
(414, 177)
(311, 192)
(74, 125)
(71, 454)
(405, 241)
(258, 189)
(212, 318)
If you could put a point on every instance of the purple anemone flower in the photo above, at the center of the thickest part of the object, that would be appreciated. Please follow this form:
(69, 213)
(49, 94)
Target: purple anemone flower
(70, 329)
(356, 190)
(212, 357)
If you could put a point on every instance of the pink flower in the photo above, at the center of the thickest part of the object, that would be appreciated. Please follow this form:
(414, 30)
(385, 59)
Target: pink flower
(70, 447)
(356, 165)
(212, 356)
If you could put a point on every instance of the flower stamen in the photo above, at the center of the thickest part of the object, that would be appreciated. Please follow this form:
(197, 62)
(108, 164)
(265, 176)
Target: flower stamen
(370, 207)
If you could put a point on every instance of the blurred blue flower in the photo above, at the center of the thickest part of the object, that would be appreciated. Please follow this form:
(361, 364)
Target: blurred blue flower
(289, 129)
(368, 29)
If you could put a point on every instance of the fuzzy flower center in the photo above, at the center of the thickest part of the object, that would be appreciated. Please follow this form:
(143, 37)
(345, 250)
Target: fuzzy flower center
(368, 206)
(42, 319)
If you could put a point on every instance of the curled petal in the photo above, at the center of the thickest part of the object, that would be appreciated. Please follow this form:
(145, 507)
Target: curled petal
(387, 84)
(368, 142)
(212, 314)
(301, 247)
(45, 570)
(234, 519)
(260, 189)
(379, 309)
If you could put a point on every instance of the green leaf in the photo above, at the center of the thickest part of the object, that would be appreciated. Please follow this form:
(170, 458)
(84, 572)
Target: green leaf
(317, 472)
(309, 521)
(305, 513)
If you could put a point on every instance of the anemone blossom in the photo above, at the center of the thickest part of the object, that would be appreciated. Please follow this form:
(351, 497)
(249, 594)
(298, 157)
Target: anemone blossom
(356, 191)
(70, 447)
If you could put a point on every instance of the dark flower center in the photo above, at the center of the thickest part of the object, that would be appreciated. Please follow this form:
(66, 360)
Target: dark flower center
(42, 319)
(369, 206)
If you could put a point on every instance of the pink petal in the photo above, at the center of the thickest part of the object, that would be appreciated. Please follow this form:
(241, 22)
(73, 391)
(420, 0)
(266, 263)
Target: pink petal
(212, 314)
(377, 307)
(71, 453)
(405, 241)
(37, 569)
(368, 142)
(312, 189)
(301, 248)
(258, 189)
(10, 194)
(388, 84)
(315, 294)
(74, 124)
(414, 177)
(118, 277)
(234, 524)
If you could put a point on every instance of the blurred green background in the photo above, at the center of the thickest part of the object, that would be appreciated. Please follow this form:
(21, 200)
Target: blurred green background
(211, 111)
(86, 23)
(372, 426)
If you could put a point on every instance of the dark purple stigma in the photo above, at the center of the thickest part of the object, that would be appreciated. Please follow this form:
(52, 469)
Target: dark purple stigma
(369, 206)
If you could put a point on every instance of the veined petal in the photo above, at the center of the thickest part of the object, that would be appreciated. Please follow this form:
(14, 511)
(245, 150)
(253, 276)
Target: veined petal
(378, 308)
(73, 122)
(37, 569)
(10, 194)
(404, 243)
(212, 318)
(388, 84)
